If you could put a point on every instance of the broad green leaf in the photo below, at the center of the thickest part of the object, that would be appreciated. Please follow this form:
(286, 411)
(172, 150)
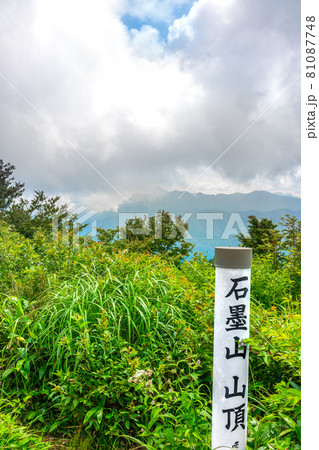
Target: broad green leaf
(89, 414)
(19, 364)
(7, 373)
(99, 415)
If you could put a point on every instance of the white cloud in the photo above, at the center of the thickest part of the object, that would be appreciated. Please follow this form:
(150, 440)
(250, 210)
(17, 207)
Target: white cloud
(155, 10)
(147, 43)
(147, 113)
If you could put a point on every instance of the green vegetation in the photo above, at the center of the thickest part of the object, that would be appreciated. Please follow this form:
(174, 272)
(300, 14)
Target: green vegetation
(158, 235)
(29, 216)
(109, 344)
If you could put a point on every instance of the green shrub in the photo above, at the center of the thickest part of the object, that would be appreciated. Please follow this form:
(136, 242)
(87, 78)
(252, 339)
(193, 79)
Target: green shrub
(14, 435)
(275, 374)
(269, 286)
(275, 352)
(276, 421)
(115, 350)
(21, 270)
(75, 361)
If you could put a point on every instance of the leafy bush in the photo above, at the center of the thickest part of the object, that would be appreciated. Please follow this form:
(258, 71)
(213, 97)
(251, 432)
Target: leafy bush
(114, 349)
(74, 362)
(268, 285)
(21, 269)
(275, 352)
(14, 435)
(275, 410)
(276, 421)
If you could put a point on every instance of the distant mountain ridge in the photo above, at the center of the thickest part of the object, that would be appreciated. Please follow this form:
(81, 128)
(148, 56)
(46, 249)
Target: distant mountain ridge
(186, 201)
(214, 220)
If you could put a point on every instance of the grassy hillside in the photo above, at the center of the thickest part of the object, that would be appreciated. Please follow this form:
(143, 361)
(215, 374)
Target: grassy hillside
(113, 349)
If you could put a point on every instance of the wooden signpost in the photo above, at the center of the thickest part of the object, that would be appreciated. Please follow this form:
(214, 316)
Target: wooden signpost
(231, 326)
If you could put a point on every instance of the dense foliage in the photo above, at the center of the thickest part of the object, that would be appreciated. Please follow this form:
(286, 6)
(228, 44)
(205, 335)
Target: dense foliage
(157, 235)
(29, 216)
(112, 348)
(10, 190)
(109, 344)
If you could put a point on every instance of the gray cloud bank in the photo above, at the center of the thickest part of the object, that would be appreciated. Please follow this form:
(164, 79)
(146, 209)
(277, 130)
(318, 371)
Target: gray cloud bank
(149, 113)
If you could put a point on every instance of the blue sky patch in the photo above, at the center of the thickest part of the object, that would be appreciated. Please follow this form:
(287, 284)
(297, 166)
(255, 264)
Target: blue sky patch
(133, 22)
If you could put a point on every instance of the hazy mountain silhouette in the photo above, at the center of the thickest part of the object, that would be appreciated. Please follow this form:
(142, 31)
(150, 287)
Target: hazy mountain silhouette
(214, 220)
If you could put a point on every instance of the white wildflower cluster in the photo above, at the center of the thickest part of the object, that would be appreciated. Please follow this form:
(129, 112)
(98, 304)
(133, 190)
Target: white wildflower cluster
(138, 376)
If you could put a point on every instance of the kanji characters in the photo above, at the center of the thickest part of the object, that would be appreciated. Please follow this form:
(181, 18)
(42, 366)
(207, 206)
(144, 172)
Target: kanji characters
(237, 319)
(239, 293)
(239, 417)
(235, 393)
(240, 350)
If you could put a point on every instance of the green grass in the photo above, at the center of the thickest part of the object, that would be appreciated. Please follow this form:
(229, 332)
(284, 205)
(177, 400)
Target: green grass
(115, 351)
(13, 435)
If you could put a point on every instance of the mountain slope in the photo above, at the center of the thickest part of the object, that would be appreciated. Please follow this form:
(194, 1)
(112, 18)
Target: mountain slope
(214, 220)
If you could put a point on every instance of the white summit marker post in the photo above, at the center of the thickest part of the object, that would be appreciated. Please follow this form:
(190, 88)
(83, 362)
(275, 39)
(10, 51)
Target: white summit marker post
(231, 326)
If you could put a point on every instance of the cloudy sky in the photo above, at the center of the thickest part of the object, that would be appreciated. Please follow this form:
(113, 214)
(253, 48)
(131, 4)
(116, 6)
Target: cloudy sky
(103, 99)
